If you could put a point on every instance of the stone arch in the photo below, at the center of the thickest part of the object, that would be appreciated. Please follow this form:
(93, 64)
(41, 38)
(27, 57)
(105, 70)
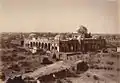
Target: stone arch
(55, 47)
(34, 43)
(62, 48)
(48, 46)
(54, 56)
(22, 43)
(42, 45)
(45, 45)
(52, 47)
(31, 44)
(71, 48)
(39, 44)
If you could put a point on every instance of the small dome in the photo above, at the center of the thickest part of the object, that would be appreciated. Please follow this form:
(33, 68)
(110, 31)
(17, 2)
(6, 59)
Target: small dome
(96, 37)
(60, 37)
(32, 35)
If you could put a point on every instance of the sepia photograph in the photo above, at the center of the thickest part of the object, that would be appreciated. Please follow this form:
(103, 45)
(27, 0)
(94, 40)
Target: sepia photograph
(59, 41)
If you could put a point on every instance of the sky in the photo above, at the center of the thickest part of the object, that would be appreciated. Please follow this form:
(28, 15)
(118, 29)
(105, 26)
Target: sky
(99, 16)
(119, 15)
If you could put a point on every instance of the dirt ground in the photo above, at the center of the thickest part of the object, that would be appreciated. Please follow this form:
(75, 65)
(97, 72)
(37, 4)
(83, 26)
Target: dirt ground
(106, 68)
(103, 66)
(88, 77)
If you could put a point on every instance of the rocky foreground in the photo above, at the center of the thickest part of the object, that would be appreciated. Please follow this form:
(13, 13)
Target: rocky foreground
(103, 67)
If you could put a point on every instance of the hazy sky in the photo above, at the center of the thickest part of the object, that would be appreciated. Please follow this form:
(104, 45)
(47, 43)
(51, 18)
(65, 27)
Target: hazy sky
(59, 15)
(119, 15)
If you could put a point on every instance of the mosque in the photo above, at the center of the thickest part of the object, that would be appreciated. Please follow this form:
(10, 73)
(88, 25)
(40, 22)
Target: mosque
(61, 43)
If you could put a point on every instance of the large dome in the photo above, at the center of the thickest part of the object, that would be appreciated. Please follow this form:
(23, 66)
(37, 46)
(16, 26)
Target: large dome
(82, 29)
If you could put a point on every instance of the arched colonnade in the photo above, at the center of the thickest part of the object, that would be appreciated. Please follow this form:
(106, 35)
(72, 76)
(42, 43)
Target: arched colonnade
(44, 45)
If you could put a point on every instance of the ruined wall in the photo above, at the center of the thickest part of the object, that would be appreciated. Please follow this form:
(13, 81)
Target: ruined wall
(92, 44)
(69, 46)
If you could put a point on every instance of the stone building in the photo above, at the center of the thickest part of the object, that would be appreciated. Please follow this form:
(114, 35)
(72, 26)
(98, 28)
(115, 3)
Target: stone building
(61, 43)
(69, 45)
(80, 44)
(39, 43)
(33, 41)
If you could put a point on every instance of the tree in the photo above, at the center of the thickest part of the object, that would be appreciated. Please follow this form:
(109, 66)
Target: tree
(82, 29)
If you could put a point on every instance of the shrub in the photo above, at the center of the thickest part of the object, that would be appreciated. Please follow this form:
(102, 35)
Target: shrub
(95, 77)
(110, 62)
(2, 76)
(14, 54)
(21, 57)
(46, 61)
(7, 58)
(105, 68)
(14, 67)
(24, 63)
(118, 69)
(88, 75)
